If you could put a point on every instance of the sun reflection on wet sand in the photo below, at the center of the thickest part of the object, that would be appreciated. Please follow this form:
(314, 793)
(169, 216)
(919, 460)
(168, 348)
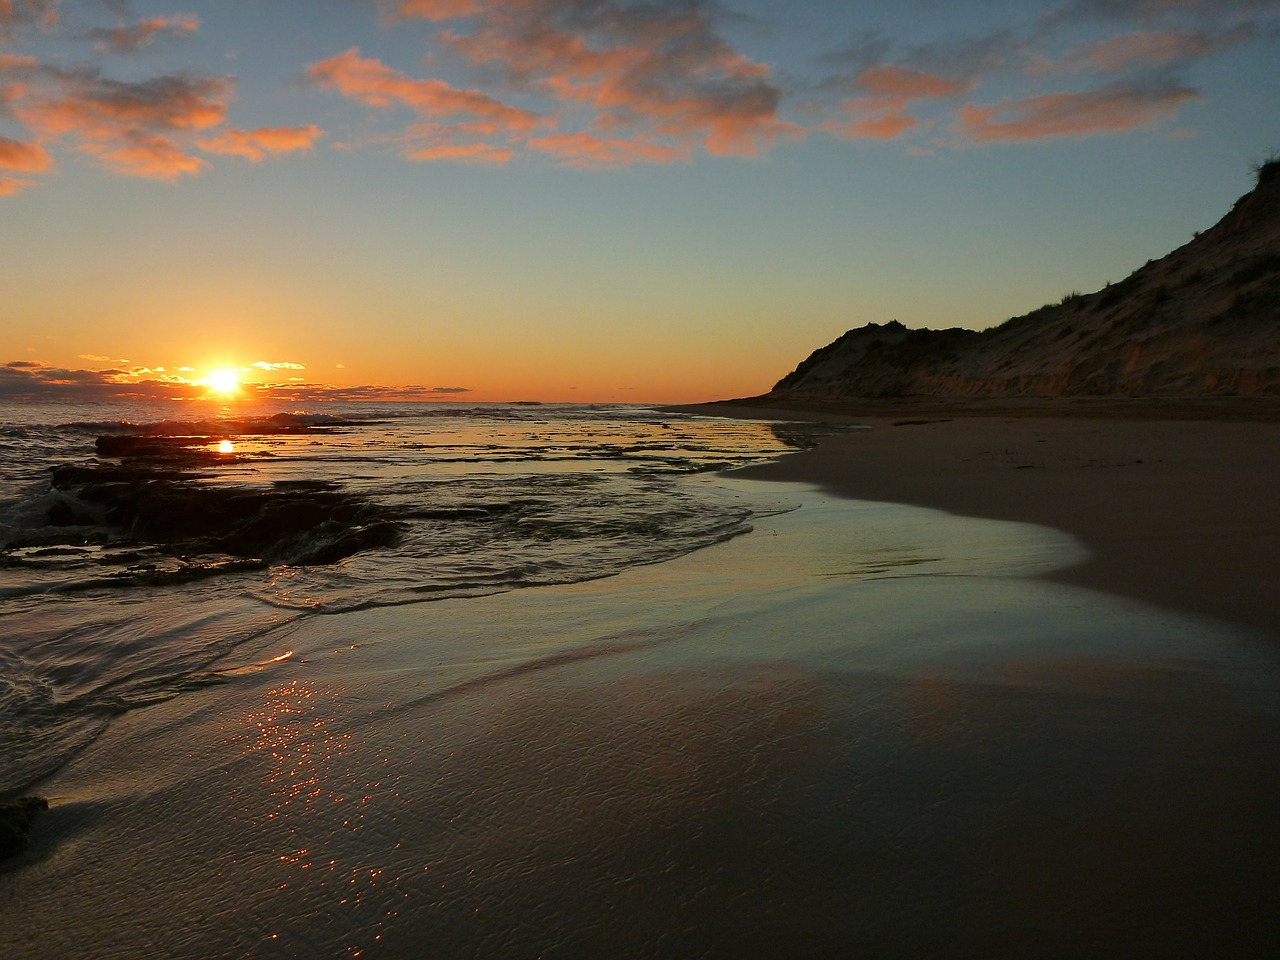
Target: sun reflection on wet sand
(325, 782)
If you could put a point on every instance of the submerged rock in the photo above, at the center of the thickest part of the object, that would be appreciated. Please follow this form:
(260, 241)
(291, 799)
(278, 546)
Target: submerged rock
(16, 817)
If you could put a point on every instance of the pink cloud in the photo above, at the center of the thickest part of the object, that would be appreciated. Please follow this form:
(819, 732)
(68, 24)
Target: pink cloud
(256, 145)
(1113, 109)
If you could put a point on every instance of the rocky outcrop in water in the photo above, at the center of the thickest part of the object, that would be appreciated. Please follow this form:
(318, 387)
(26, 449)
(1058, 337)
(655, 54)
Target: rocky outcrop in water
(152, 493)
(1203, 322)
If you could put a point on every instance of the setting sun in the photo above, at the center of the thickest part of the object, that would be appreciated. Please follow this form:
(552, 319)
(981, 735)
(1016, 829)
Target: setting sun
(222, 381)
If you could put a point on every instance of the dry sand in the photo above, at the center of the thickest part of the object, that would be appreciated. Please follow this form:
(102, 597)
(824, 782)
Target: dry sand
(1180, 513)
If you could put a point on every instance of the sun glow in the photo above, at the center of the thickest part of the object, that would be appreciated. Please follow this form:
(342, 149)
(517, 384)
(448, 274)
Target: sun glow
(222, 381)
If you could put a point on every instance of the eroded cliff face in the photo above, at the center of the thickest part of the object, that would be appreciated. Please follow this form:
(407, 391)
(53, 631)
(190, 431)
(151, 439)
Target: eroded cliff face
(1203, 321)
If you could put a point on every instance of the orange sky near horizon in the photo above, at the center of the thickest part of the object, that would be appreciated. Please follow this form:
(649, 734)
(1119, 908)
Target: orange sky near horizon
(656, 201)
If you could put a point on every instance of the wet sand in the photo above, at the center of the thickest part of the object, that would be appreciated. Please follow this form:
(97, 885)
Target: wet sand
(1179, 513)
(862, 730)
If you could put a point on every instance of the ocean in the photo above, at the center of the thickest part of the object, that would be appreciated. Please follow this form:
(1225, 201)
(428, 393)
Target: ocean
(143, 543)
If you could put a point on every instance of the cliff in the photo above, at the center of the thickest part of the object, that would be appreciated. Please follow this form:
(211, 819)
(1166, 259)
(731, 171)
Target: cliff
(1202, 322)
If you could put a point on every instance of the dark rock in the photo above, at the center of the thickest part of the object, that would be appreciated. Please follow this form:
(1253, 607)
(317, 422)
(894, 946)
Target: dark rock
(16, 817)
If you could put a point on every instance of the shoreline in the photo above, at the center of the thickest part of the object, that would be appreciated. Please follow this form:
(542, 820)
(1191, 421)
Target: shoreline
(861, 729)
(1177, 512)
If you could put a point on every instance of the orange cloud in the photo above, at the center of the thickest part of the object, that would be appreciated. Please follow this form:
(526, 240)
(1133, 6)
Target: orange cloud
(462, 153)
(655, 71)
(881, 113)
(373, 83)
(1112, 109)
(27, 157)
(135, 36)
(900, 84)
(1146, 48)
(256, 145)
(129, 127)
(887, 126)
(587, 150)
(140, 155)
(10, 186)
(436, 9)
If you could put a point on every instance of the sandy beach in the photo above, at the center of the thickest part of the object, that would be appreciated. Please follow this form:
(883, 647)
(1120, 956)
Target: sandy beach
(863, 729)
(1178, 512)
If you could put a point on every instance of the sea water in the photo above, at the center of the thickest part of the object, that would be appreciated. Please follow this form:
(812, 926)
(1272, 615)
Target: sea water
(124, 577)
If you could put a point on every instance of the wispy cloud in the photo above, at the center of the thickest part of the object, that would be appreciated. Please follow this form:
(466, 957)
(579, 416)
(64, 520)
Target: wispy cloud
(131, 127)
(34, 380)
(373, 83)
(257, 145)
(1042, 82)
(602, 83)
(142, 126)
(25, 157)
(23, 13)
(130, 37)
(23, 379)
(887, 91)
(1115, 108)
(621, 82)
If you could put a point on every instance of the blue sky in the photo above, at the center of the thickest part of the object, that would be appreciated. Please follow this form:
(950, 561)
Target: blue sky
(589, 199)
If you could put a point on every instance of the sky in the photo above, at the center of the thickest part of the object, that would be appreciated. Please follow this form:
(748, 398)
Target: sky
(595, 200)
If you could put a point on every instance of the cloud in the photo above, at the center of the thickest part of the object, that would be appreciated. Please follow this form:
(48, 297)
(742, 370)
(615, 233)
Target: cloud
(135, 36)
(278, 365)
(22, 379)
(25, 379)
(1153, 48)
(377, 85)
(584, 149)
(626, 82)
(21, 13)
(11, 186)
(25, 157)
(1116, 108)
(130, 127)
(1155, 10)
(142, 127)
(256, 145)
(887, 91)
